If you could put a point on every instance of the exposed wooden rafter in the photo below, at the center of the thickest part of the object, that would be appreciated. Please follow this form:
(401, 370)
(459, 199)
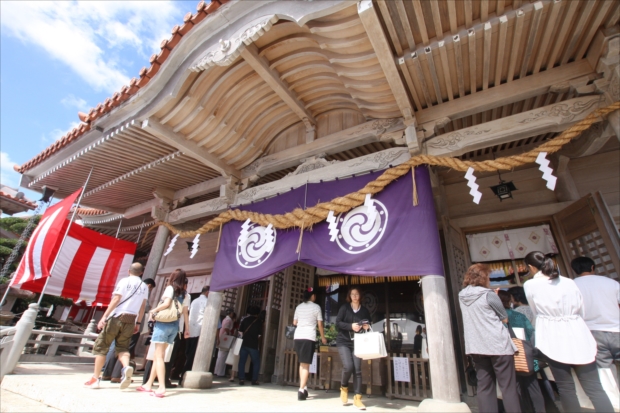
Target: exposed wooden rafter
(506, 93)
(381, 45)
(166, 134)
(271, 77)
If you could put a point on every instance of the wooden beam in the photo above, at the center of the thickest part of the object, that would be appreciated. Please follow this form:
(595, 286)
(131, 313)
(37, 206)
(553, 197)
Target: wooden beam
(538, 211)
(383, 50)
(188, 147)
(552, 118)
(341, 141)
(529, 86)
(201, 188)
(199, 210)
(140, 209)
(271, 77)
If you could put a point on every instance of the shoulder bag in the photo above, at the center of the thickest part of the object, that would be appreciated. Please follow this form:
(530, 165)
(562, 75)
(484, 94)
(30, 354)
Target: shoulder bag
(524, 357)
(170, 314)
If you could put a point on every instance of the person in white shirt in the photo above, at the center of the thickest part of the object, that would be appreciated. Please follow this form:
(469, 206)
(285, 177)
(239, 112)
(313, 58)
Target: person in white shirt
(601, 299)
(119, 322)
(307, 316)
(196, 314)
(562, 334)
(225, 332)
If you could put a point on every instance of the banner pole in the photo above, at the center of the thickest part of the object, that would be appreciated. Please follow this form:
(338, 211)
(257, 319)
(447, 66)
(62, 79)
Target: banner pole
(140, 233)
(118, 230)
(65, 236)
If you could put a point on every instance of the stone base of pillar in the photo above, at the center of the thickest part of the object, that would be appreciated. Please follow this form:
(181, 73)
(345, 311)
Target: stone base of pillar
(437, 406)
(197, 380)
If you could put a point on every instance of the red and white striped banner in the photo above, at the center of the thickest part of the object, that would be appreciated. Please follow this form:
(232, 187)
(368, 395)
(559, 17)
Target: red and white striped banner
(44, 243)
(88, 267)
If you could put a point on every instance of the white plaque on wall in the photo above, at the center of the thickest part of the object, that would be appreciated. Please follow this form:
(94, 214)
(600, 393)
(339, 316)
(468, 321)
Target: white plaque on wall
(401, 369)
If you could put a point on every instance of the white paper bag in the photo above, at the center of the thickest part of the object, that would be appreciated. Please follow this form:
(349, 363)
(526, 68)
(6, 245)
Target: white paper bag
(369, 346)
(230, 358)
(237, 347)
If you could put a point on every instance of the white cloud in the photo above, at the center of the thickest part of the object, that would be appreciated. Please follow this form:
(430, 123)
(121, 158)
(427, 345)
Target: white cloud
(8, 176)
(88, 35)
(51, 137)
(75, 102)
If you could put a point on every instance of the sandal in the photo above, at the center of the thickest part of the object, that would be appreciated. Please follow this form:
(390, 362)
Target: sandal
(158, 395)
(142, 389)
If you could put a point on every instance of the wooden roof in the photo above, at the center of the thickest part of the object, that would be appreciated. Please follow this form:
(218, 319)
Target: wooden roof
(258, 80)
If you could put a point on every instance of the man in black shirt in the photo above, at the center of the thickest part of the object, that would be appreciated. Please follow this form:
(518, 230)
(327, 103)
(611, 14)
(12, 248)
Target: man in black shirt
(250, 328)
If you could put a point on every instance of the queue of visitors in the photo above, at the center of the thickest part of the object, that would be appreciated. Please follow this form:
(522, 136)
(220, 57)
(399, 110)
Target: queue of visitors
(573, 325)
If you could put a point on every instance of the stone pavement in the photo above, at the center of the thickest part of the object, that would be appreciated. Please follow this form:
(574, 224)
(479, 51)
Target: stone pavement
(59, 387)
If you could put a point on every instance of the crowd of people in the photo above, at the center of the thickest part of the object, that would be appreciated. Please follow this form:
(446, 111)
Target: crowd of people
(572, 325)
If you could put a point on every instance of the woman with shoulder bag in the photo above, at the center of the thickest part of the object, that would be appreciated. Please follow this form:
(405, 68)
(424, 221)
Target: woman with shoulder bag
(561, 333)
(352, 319)
(528, 383)
(488, 342)
(307, 316)
(166, 316)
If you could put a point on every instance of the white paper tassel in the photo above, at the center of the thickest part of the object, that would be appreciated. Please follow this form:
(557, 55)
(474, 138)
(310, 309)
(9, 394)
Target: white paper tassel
(547, 171)
(473, 185)
(171, 245)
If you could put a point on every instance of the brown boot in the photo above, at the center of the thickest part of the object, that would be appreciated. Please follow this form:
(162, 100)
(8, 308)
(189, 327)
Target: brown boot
(357, 402)
(344, 395)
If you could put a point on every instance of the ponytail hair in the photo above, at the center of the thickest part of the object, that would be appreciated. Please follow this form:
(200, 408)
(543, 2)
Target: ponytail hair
(542, 263)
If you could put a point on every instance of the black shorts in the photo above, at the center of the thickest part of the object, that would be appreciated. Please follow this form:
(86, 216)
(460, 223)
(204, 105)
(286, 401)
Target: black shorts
(304, 350)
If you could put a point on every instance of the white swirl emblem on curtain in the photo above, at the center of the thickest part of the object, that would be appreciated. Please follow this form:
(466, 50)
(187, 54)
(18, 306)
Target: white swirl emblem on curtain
(255, 244)
(362, 228)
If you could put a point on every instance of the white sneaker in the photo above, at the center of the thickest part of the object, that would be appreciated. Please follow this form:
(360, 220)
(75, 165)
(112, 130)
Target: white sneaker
(126, 374)
(93, 383)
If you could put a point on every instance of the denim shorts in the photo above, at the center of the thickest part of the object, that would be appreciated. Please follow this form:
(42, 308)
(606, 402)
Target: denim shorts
(165, 332)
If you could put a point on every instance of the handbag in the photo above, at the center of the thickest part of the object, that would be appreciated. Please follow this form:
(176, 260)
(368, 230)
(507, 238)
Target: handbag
(170, 314)
(369, 345)
(226, 342)
(289, 332)
(524, 357)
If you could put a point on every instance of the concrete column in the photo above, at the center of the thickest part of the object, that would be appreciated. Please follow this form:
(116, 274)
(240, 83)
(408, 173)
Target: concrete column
(444, 381)
(160, 243)
(199, 377)
(24, 326)
(90, 329)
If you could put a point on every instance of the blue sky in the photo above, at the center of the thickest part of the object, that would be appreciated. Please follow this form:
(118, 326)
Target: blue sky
(61, 57)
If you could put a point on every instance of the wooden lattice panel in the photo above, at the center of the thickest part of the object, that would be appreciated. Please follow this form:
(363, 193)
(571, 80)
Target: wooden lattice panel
(303, 277)
(258, 294)
(593, 246)
(460, 263)
(230, 298)
(278, 290)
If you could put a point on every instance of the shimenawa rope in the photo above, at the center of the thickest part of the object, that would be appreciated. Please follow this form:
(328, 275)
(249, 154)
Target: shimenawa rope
(306, 218)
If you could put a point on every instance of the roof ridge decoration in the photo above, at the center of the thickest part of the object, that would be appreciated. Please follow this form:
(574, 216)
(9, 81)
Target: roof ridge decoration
(127, 91)
(228, 50)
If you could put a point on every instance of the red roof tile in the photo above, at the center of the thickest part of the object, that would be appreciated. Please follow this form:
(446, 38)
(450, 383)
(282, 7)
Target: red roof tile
(146, 74)
(90, 211)
(31, 205)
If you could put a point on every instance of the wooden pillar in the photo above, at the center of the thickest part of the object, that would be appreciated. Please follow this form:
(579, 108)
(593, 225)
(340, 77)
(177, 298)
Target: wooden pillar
(444, 381)
(566, 190)
(157, 251)
(199, 377)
